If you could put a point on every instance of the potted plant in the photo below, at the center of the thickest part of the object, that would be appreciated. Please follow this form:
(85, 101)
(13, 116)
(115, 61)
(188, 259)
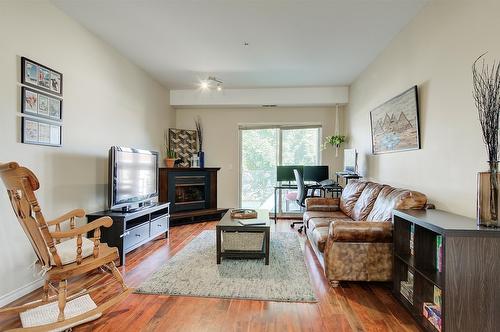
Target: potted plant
(171, 158)
(486, 92)
(335, 141)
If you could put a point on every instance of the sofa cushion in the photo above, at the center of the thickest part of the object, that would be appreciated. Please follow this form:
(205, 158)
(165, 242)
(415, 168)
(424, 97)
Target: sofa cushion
(67, 250)
(390, 199)
(350, 196)
(319, 236)
(322, 204)
(361, 231)
(365, 202)
(327, 216)
(318, 222)
(315, 214)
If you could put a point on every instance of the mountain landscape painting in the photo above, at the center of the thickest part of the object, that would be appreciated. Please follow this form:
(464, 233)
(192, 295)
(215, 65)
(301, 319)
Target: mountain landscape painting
(395, 124)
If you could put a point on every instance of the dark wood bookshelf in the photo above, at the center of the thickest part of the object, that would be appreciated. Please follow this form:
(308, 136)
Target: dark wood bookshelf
(470, 291)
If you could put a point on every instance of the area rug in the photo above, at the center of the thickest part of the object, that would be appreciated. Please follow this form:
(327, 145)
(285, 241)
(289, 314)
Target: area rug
(194, 272)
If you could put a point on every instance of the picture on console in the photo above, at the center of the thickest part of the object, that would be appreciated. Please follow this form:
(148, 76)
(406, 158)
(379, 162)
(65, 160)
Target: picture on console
(394, 124)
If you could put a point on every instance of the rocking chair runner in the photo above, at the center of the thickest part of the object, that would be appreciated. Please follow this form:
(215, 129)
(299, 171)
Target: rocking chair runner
(61, 254)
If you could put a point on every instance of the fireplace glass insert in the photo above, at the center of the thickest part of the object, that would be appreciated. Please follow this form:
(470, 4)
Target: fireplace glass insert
(190, 192)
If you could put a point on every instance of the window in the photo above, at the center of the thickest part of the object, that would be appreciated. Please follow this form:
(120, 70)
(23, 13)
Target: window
(262, 149)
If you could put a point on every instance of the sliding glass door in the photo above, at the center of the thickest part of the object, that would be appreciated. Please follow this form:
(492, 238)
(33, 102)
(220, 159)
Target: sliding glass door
(259, 157)
(262, 149)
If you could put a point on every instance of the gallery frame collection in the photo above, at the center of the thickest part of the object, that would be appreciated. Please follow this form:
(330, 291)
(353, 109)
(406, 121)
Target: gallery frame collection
(42, 112)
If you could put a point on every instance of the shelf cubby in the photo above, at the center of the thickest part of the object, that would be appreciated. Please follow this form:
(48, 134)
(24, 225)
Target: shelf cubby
(465, 248)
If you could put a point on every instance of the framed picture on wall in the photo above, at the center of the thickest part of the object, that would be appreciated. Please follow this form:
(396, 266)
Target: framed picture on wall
(36, 131)
(41, 77)
(40, 104)
(394, 124)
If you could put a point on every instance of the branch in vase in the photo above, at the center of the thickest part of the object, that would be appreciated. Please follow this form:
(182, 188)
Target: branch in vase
(486, 92)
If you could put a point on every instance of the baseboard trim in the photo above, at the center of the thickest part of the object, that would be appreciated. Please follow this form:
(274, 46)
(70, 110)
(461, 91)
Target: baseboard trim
(20, 292)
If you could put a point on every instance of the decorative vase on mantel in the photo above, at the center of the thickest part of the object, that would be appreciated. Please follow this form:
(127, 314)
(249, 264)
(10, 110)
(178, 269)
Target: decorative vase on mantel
(487, 196)
(201, 155)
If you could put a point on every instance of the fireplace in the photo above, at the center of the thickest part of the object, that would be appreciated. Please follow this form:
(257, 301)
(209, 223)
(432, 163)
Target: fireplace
(192, 193)
(188, 190)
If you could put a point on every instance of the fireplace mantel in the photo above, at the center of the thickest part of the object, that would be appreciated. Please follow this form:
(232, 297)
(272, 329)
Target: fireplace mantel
(190, 169)
(192, 193)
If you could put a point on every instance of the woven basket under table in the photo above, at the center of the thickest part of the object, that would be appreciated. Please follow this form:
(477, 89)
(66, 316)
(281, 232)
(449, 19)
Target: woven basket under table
(242, 241)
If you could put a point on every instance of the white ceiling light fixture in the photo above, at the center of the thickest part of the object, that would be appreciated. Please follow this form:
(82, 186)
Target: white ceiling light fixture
(211, 83)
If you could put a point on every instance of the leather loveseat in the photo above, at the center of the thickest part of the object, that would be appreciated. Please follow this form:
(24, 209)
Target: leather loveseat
(352, 235)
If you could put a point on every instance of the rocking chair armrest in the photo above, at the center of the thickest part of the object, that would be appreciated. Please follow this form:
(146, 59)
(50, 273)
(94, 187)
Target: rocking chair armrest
(101, 222)
(79, 213)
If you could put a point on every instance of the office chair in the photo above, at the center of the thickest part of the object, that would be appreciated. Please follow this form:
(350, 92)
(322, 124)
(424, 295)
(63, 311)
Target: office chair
(302, 194)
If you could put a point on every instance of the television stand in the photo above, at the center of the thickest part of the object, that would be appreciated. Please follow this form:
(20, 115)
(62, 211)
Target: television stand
(130, 209)
(131, 230)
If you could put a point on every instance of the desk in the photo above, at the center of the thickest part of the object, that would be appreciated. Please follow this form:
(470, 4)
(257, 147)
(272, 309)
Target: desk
(334, 189)
(291, 186)
(347, 177)
(280, 186)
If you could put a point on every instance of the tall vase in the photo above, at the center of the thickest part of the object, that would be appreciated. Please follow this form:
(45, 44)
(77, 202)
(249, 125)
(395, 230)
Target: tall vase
(201, 155)
(487, 196)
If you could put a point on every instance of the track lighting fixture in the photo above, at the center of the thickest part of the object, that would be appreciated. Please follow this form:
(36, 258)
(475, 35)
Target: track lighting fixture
(211, 82)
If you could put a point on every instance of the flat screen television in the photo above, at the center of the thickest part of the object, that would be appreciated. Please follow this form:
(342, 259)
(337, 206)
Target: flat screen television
(350, 160)
(133, 178)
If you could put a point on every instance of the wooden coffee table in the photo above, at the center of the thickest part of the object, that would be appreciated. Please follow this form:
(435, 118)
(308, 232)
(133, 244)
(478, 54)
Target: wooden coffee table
(228, 224)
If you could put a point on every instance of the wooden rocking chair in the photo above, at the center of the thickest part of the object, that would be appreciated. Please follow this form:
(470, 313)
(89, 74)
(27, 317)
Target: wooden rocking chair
(61, 254)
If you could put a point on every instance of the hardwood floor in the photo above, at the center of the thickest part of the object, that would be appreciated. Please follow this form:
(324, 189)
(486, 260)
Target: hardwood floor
(350, 307)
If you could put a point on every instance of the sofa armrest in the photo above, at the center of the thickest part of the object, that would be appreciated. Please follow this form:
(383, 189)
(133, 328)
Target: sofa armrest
(361, 231)
(322, 204)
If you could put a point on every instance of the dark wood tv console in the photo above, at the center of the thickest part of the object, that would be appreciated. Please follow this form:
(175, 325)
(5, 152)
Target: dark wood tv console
(470, 270)
(133, 229)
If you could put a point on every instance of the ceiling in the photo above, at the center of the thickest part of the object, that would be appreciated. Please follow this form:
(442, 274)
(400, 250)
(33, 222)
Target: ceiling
(291, 43)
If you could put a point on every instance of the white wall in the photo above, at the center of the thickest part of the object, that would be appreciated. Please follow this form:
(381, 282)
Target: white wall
(221, 138)
(107, 101)
(435, 51)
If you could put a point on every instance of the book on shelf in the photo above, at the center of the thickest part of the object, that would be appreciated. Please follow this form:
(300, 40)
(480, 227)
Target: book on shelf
(439, 253)
(406, 287)
(437, 296)
(433, 314)
(412, 239)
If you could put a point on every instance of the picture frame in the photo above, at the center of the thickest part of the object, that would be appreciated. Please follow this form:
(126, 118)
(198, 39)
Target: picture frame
(184, 143)
(41, 77)
(40, 104)
(39, 132)
(395, 124)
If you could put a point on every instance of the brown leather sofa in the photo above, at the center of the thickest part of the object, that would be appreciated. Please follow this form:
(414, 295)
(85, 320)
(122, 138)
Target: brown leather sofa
(352, 235)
